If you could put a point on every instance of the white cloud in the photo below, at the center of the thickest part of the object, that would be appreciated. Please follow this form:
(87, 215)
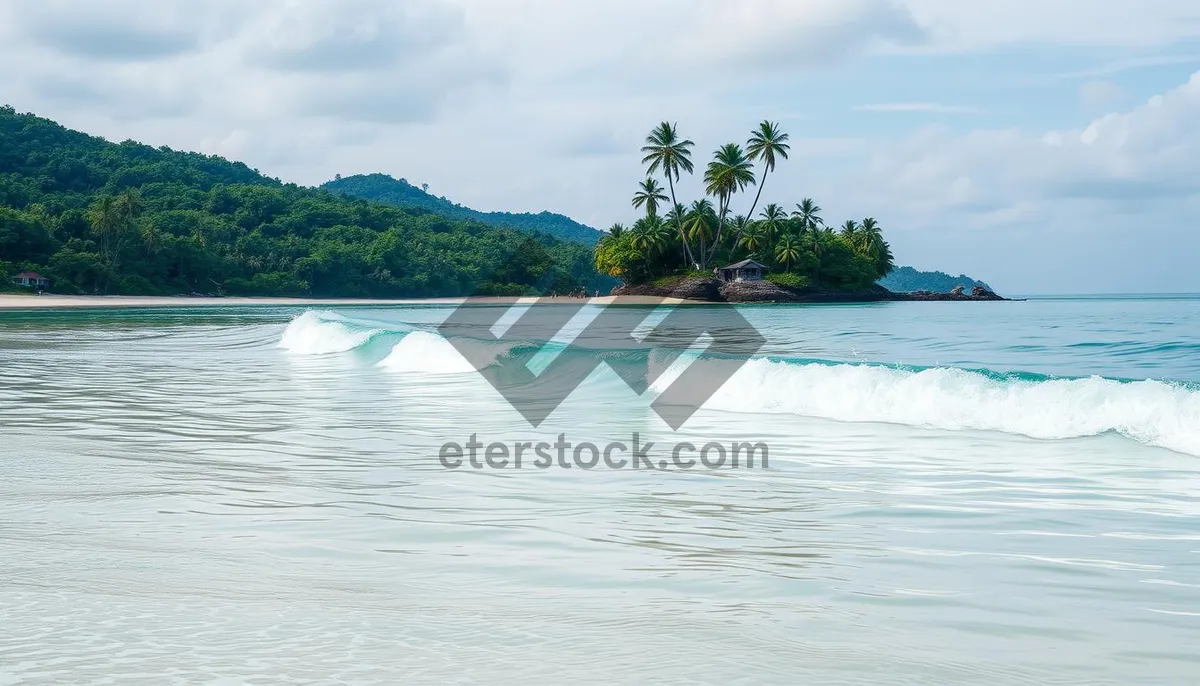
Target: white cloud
(115, 31)
(956, 25)
(929, 107)
(1098, 95)
(351, 35)
(1135, 173)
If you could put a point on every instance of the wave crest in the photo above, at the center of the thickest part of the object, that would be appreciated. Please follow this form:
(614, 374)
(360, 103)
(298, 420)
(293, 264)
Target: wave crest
(425, 352)
(324, 333)
(1156, 413)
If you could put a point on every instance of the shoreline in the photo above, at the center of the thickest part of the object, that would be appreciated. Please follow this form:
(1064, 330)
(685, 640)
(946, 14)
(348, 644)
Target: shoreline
(13, 302)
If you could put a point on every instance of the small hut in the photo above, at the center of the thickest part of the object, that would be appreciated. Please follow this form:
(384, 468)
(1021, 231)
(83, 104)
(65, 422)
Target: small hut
(746, 270)
(31, 280)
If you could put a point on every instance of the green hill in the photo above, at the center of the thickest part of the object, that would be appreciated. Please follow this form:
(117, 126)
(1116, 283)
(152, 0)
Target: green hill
(102, 217)
(907, 279)
(398, 192)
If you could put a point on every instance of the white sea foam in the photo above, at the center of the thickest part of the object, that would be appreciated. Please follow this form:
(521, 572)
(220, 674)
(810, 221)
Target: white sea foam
(323, 333)
(425, 352)
(1151, 412)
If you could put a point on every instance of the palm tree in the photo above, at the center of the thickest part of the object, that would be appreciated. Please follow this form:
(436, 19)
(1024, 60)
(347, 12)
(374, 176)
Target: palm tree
(752, 239)
(129, 204)
(658, 237)
(873, 246)
(767, 144)
(676, 215)
(105, 218)
(699, 224)
(849, 231)
(741, 223)
(642, 240)
(615, 231)
(809, 215)
(772, 215)
(151, 240)
(729, 172)
(650, 195)
(128, 207)
(664, 150)
(787, 251)
(869, 232)
(818, 238)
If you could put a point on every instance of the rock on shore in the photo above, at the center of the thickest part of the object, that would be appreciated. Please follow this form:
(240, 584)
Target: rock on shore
(688, 288)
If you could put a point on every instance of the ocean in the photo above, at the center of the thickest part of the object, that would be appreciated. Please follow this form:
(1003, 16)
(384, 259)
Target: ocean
(945, 493)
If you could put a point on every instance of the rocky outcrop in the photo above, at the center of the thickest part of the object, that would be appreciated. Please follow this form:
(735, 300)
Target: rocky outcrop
(687, 288)
(977, 294)
(765, 291)
(757, 292)
(958, 290)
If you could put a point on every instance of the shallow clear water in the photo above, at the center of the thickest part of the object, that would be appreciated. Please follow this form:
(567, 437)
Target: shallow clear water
(979, 493)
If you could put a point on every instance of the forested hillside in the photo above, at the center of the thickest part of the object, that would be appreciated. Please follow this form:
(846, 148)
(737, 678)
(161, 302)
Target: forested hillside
(127, 218)
(398, 192)
(907, 279)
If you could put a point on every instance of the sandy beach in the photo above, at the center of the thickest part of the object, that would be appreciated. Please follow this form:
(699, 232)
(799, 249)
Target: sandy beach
(46, 302)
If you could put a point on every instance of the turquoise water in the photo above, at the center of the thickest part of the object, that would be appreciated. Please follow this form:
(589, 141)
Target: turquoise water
(957, 493)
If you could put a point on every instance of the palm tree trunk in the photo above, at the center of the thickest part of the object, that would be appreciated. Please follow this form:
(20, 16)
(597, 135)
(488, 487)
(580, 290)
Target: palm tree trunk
(687, 249)
(722, 209)
(757, 196)
(754, 206)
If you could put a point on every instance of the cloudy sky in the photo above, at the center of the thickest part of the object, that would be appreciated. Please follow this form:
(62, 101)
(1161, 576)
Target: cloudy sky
(1042, 145)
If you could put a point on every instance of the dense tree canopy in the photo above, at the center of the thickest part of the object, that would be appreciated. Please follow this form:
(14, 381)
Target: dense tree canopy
(907, 279)
(102, 217)
(400, 193)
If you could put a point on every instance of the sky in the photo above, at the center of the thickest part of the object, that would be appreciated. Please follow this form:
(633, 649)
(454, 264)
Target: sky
(1048, 146)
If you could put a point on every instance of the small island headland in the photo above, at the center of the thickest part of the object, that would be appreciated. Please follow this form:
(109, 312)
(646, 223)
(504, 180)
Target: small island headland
(773, 257)
(714, 291)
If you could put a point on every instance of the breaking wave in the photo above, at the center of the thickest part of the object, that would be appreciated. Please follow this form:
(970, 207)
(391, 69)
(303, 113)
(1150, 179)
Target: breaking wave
(1158, 413)
(428, 353)
(324, 333)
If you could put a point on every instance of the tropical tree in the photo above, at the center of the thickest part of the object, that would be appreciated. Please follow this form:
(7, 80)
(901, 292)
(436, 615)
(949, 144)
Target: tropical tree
(787, 251)
(849, 231)
(740, 223)
(677, 215)
(701, 218)
(772, 217)
(869, 233)
(818, 241)
(614, 232)
(873, 246)
(616, 256)
(666, 151)
(729, 171)
(649, 236)
(808, 213)
(658, 237)
(105, 218)
(752, 238)
(649, 196)
(128, 207)
(767, 144)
